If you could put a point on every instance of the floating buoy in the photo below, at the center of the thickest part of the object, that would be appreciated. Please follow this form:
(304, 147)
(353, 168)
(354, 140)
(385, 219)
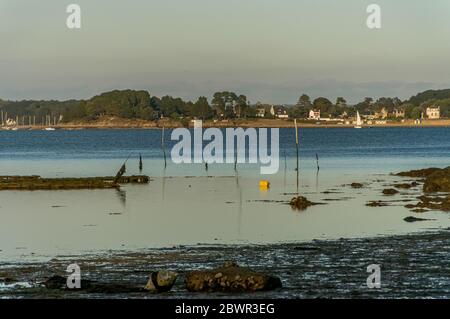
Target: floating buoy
(264, 184)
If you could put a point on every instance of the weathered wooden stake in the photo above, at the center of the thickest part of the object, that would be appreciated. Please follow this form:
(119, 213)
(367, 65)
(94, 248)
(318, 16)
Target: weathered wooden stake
(296, 144)
(317, 162)
(163, 148)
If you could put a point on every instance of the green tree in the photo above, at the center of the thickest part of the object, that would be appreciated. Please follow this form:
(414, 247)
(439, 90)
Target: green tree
(429, 95)
(241, 106)
(416, 112)
(341, 102)
(304, 101)
(173, 107)
(201, 108)
(324, 105)
(226, 103)
(368, 100)
(218, 102)
(125, 103)
(298, 112)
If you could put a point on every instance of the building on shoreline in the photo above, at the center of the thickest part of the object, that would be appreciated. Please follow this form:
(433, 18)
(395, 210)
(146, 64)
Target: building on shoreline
(277, 111)
(280, 112)
(314, 115)
(260, 112)
(399, 113)
(433, 112)
(383, 114)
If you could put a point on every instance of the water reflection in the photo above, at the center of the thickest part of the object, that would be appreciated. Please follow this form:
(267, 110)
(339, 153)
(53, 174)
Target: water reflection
(317, 181)
(230, 209)
(122, 196)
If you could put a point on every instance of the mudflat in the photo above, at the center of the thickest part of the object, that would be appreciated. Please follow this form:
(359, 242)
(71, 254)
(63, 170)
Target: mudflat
(410, 265)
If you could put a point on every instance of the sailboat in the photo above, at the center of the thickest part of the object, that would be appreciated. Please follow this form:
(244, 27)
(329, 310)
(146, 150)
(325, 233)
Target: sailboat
(358, 120)
(48, 123)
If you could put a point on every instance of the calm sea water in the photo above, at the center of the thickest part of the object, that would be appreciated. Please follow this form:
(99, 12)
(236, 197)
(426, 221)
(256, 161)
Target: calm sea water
(184, 204)
(85, 152)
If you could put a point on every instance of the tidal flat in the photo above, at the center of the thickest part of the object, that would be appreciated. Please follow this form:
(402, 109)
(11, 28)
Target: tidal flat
(187, 218)
(225, 210)
(412, 266)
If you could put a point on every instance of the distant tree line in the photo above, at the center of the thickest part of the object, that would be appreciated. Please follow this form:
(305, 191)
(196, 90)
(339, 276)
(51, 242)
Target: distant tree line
(133, 104)
(413, 107)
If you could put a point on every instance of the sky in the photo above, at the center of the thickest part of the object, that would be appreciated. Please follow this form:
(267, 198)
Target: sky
(270, 50)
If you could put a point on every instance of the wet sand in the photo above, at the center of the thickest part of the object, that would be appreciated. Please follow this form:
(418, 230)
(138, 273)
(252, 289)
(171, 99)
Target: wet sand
(412, 266)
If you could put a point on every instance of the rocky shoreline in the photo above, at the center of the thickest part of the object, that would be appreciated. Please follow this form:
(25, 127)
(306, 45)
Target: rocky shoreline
(436, 188)
(412, 266)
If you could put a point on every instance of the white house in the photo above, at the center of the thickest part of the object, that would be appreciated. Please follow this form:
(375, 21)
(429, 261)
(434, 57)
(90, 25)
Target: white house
(314, 115)
(399, 112)
(260, 112)
(281, 112)
(433, 112)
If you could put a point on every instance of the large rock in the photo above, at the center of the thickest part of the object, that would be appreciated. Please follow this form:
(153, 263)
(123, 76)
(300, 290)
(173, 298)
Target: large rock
(377, 203)
(301, 203)
(419, 172)
(230, 278)
(390, 191)
(438, 181)
(55, 282)
(406, 185)
(161, 281)
(412, 219)
(433, 203)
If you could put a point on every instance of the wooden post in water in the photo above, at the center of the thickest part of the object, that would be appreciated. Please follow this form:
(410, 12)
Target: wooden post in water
(285, 167)
(235, 150)
(163, 148)
(317, 162)
(296, 144)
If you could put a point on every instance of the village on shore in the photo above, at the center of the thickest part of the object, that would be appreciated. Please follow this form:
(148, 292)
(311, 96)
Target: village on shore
(139, 109)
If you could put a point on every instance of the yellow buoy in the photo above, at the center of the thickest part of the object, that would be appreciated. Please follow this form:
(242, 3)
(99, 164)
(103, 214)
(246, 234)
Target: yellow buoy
(264, 184)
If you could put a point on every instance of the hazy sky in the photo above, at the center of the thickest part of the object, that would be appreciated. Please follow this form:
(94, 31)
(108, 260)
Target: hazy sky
(270, 50)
